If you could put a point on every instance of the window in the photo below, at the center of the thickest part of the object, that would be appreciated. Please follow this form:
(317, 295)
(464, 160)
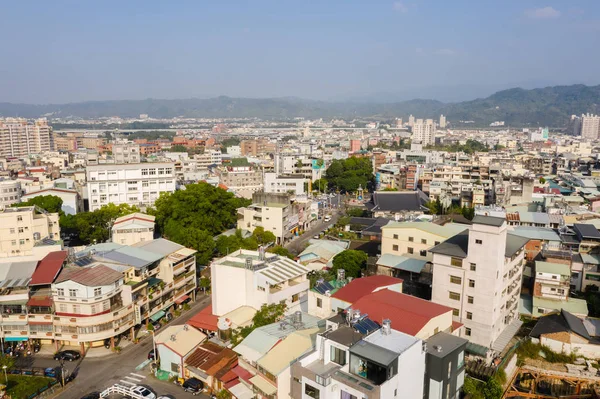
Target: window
(62, 307)
(13, 242)
(410, 250)
(295, 298)
(395, 247)
(423, 241)
(455, 312)
(469, 316)
(472, 283)
(174, 367)
(456, 262)
(470, 299)
(60, 292)
(437, 243)
(311, 391)
(455, 280)
(468, 332)
(94, 309)
(449, 371)
(338, 356)
(12, 231)
(22, 242)
(411, 239)
(478, 242)
(554, 277)
(395, 236)
(97, 291)
(76, 309)
(319, 303)
(473, 267)
(19, 218)
(454, 296)
(72, 292)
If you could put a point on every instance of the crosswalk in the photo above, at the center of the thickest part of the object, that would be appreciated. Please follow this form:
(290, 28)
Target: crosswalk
(132, 379)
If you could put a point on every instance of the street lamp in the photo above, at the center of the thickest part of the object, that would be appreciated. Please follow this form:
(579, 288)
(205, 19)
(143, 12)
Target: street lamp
(5, 376)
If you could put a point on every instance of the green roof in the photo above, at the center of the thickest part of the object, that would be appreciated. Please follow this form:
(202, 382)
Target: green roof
(590, 259)
(402, 263)
(571, 305)
(552, 268)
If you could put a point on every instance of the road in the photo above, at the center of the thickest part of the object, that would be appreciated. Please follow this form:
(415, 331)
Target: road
(96, 374)
(299, 244)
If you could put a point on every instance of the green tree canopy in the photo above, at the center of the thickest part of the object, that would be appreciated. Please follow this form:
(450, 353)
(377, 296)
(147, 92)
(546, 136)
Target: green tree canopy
(281, 251)
(94, 227)
(263, 237)
(350, 174)
(268, 314)
(49, 203)
(353, 261)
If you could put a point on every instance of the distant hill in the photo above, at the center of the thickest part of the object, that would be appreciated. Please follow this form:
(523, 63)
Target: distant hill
(550, 106)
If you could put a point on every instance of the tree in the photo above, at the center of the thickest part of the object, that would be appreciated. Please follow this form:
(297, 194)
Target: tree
(492, 389)
(268, 314)
(320, 163)
(320, 185)
(179, 148)
(200, 240)
(49, 203)
(468, 212)
(352, 261)
(281, 251)
(94, 227)
(542, 180)
(357, 212)
(350, 174)
(390, 189)
(7, 361)
(223, 394)
(262, 236)
(299, 164)
(205, 284)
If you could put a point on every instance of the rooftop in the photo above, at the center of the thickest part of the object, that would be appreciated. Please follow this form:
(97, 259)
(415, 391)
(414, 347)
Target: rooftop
(552, 268)
(447, 230)
(489, 220)
(442, 343)
(48, 268)
(94, 276)
(180, 339)
(360, 287)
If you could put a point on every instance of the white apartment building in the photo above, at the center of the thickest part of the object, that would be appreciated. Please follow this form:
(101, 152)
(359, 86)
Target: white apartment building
(424, 131)
(256, 278)
(126, 153)
(442, 121)
(10, 193)
(294, 184)
(590, 126)
(478, 274)
(20, 137)
(209, 158)
(243, 180)
(22, 228)
(273, 212)
(134, 184)
(134, 228)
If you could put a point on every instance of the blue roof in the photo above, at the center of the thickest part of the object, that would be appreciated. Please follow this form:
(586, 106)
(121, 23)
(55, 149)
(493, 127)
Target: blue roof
(536, 233)
(402, 263)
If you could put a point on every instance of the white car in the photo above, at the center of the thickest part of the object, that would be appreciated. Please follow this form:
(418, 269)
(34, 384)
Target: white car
(144, 392)
(327, 218)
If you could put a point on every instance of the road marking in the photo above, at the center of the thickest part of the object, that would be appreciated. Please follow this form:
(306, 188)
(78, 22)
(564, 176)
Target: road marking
(138, 375)
(128, 383)
(133, 379)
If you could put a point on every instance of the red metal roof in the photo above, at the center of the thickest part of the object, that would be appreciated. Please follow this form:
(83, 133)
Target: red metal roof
(48, 268)
(204, 320)
(40, 301)
(407, 313)
(360, 287)
(242, 373)
(456, 325)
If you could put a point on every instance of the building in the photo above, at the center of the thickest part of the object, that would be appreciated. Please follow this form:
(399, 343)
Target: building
(255, 278)
(134, 228)
(175, 344)
(243, 180)
(424, 132)
(355, 145)
(551, 289)
(256, 147)
(478, 274)
(134, 184)
(356, 359)
(442, 121)
(398, 204)
(20, 137)
(21, 229)
(273, 212)
(445, 366)
(65, 143)
(590, 126)
(126, 153)
(10, 193)
(72, 202)
(293, 184)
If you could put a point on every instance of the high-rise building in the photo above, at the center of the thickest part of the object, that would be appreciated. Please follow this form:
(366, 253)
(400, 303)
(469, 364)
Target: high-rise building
(126, 153)
(590, 126)
(442, 121)
(355, 145)
(411, 121)
(20, 137)
(424, 131)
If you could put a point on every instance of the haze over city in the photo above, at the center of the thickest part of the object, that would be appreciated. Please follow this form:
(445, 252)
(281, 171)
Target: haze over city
(70, 51)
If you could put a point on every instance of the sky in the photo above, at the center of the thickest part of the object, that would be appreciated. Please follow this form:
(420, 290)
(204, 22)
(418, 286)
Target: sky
(69, 51)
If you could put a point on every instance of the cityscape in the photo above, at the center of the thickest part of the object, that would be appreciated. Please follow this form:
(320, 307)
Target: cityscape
(284, 222)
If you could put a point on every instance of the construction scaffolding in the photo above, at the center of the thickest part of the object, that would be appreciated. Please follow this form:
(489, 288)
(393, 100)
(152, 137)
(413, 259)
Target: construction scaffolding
(546, 384)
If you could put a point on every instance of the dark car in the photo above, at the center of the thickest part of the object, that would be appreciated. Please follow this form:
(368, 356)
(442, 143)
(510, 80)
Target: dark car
(193, 385)
(151, 355)
(92, 395)
(69, 355)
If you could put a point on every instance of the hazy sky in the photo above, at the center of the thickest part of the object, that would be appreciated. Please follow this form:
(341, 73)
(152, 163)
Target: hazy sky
(65, 51)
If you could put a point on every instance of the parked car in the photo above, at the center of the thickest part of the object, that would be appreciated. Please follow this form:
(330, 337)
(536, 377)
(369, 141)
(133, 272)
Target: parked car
(92, 395)
(107, 343)
(193, 385)
(143, 391)
(69, 355)
(151, 355)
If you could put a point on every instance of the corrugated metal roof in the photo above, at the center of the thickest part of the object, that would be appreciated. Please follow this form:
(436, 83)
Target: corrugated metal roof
(447, 230)
(282, 270)
(95, 276)
(159, 246)
(292, 347)
(552, 268)
(536, 233)
(402, 263)
(48, 268)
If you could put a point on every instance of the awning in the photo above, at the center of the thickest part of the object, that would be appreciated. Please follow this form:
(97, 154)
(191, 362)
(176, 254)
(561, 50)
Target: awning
(15, 339)
(204, 320)
(182, 299)
(263, 385)
(157, 316)
(476, 349)
(241, 391)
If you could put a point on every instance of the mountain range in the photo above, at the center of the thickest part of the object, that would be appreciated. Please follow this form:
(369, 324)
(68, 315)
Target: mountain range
(549, 106)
